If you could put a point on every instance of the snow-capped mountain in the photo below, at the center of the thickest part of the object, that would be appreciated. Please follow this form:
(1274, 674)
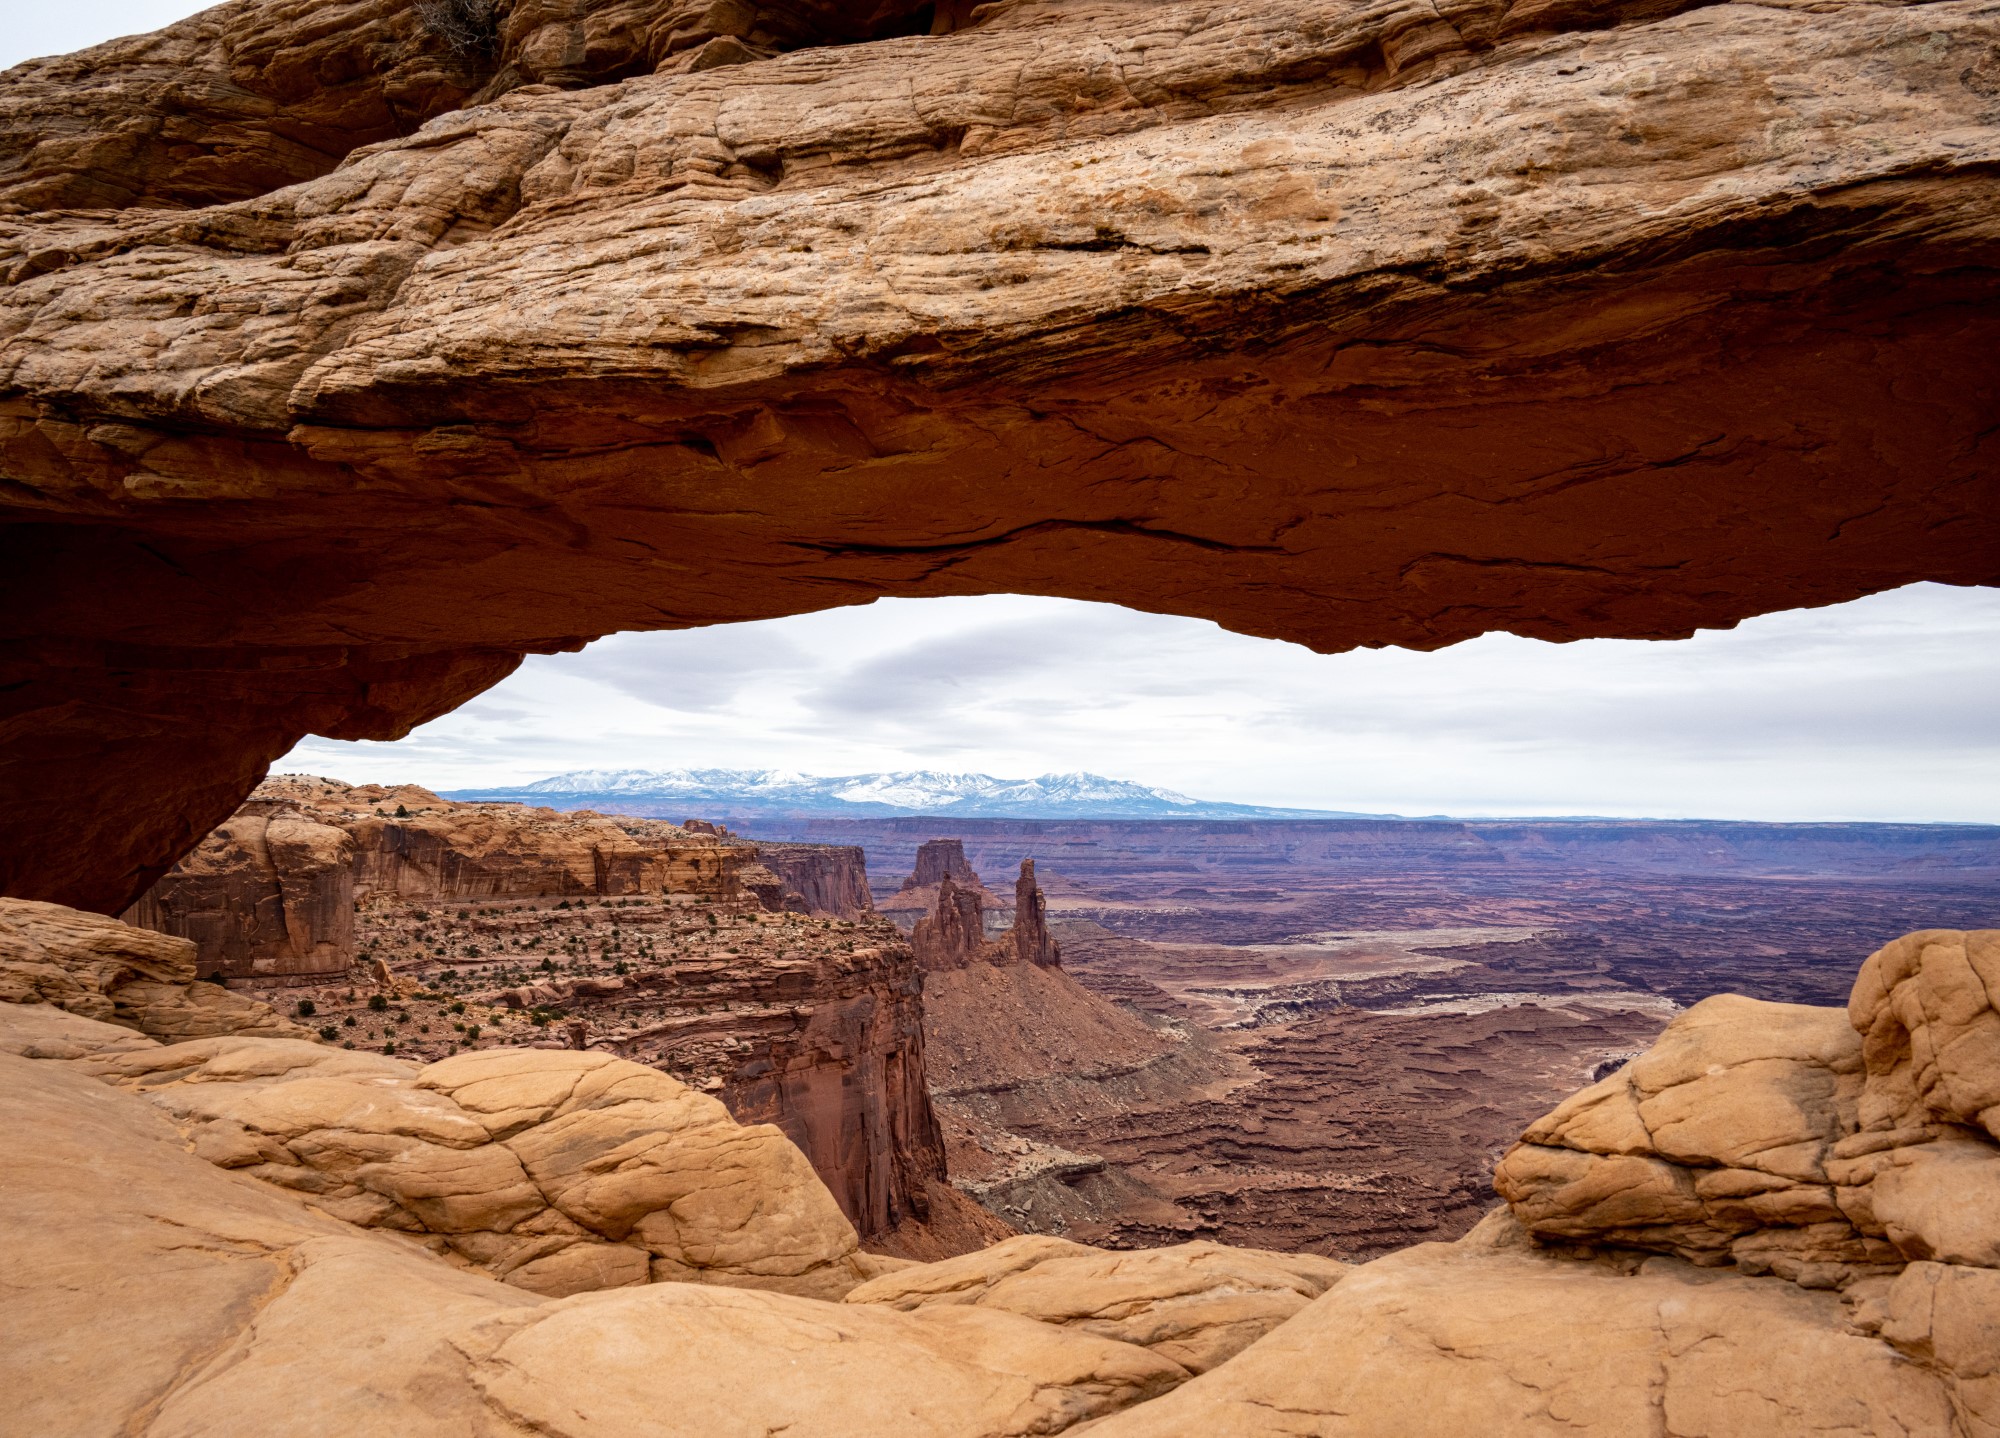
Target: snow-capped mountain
(728, 792)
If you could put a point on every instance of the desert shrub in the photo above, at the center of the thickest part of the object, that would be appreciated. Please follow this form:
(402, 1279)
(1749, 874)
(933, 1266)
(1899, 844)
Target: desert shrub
(469, 27)
(329, 1033)
(378, 1002)
(307, 1008)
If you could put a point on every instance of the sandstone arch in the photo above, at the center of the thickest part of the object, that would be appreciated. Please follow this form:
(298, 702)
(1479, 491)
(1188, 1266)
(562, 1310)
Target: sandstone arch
(1344, 325)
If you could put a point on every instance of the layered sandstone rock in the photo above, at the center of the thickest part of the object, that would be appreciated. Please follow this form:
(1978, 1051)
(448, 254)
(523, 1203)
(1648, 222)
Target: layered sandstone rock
(102, 969)
(830, 880)
(268, 896)
(255, 94)
(147, 1262)
(952, 931)
(1346, 325)
(952, 934)
(1442, 1340)
(1820, 1144)
(557, 1172)
(669, 955)
(167, 1194)
(1197, 1304)
(938, 860)
(1033, 943)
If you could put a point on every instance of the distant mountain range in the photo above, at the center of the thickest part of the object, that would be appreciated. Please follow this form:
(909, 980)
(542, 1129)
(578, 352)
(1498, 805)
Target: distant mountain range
(717, 793)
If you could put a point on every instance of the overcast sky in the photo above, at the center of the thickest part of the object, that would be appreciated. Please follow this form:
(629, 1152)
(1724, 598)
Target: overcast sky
(1887, 708)
(32, 28)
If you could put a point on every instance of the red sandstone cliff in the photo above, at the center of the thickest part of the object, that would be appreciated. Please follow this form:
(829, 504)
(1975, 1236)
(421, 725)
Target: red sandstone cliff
(824, 879)
(268, 896)
(656, 941)
(938, 860)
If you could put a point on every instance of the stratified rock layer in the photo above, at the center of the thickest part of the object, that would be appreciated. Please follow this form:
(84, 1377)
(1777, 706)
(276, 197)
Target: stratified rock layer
(1825, 1146)
(161, 1295)
(1349, 325)
(193, 1297)
(101, 969)
(268, 896)
(669, 955)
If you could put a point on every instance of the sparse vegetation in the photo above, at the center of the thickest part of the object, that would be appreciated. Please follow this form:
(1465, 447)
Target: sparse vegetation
(470, 27)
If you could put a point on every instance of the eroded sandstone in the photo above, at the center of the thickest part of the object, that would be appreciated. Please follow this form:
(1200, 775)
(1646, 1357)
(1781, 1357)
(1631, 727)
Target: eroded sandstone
(1824, 1145)
(474, 926)
(1346, 324)
(102, 969)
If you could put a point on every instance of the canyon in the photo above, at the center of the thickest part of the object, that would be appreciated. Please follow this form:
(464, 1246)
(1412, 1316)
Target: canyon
(1323, 1035)
(468, 927)
(1775, 1218)
(350, 353)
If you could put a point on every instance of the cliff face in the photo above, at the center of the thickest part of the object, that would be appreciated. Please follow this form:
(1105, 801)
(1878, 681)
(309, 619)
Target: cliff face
(268, 896)
(827, 879)
(938, 860)
(666, 944)
(1033, 943)
(1238, 323)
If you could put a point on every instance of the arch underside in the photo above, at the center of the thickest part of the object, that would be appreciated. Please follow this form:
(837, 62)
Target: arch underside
(1565, 324)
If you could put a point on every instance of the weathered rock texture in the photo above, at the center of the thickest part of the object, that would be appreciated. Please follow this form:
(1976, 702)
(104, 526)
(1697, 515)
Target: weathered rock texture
(1824, 1146)
(1346, 324)
(201, 1301)
(1440, 1341)
(952, 934)
(269, 895)
(558, 1172)
(938, 860)
(667, 955)
(102, 969)
(184, 1255)
(255, 94)
(1197, 1304)
(823, 879)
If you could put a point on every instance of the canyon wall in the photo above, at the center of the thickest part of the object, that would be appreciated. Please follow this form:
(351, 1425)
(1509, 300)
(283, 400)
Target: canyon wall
(268, 896)
(664, 939)
(829, 879)
(1237, 324)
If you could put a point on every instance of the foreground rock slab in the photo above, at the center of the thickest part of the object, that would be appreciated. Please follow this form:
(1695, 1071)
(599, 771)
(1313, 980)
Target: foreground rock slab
(1197, 1304)
(1440, 1341)
(152, 1293)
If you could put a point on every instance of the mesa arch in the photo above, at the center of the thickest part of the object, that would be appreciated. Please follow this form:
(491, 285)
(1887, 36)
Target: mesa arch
(1344, 324)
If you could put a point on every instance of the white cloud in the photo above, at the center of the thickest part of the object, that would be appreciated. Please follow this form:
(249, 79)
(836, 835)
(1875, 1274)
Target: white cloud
(1887, 708)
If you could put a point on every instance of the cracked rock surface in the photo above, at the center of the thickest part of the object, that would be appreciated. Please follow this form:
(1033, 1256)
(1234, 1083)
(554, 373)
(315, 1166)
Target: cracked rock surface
(232, 1307)
(1348, 324)
(365, 1282)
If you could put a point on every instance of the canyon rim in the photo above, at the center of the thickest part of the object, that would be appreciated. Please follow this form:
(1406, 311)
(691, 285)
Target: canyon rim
(350, 352)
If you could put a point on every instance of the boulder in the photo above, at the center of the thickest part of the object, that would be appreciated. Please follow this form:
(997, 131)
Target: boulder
(1445, 1341)
(100, 968)
(558, 1171)
(1197, 1304)
(159, 1294)
(1821, 1144)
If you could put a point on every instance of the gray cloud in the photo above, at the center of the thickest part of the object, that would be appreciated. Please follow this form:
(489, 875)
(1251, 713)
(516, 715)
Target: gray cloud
(1884, 708)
